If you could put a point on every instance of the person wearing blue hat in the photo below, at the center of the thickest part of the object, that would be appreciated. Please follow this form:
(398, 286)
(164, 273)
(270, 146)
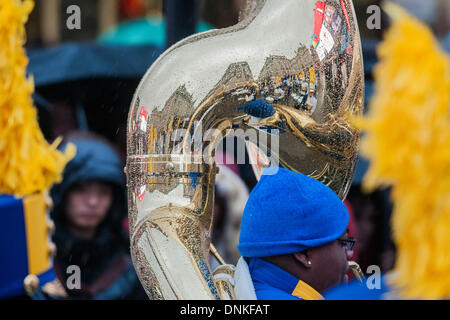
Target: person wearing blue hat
(294, 237)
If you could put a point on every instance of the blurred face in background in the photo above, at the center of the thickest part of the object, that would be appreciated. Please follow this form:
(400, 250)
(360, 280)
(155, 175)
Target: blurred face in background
(87, 205)
(365, 221)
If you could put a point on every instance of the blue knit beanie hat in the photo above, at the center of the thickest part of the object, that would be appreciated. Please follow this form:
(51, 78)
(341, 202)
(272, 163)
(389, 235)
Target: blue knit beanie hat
(288, 212)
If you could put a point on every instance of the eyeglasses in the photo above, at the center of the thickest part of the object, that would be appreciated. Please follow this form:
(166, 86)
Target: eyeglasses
(349, 243)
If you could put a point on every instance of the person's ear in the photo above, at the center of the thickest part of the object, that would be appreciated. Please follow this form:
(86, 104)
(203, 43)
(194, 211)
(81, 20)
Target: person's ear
(303, 259)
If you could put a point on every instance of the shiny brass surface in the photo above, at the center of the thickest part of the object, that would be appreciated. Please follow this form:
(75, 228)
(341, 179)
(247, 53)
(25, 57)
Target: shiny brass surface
(224, 281)
(216, 254)
(190, 99)
(357, 272)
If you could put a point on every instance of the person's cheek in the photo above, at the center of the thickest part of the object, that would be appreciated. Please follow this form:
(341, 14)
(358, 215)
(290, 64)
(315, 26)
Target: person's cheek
(349, 254)
(73, 207)
(106, 205)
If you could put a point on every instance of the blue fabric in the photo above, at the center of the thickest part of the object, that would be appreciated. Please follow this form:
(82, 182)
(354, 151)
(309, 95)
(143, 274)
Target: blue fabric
(258, 108)
(356, 290)
(271, 282)
(93, 161)
(446, 42)
(288, 212)
(46, 277)
(13, 247)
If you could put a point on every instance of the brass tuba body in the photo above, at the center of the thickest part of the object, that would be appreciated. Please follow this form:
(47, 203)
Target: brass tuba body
(300, 63)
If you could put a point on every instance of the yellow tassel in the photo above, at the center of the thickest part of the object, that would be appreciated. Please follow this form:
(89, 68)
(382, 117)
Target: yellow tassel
(27, 162)
(408, 144)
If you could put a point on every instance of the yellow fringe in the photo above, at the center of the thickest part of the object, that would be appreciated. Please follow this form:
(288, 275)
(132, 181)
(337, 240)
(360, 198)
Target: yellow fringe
(28, 164)
(408, 144)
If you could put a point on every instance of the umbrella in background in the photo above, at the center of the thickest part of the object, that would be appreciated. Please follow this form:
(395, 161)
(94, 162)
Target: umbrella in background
(90, 82)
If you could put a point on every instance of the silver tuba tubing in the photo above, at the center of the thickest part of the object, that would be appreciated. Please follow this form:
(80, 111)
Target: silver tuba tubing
(196, 93)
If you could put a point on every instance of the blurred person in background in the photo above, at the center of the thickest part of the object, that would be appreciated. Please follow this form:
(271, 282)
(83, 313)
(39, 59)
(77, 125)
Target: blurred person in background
(221, 13)
(89, 209)
(368, 218)
(435, 13)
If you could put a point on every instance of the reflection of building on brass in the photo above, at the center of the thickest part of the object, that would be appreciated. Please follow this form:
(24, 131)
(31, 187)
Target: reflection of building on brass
(179, 103)
(236, 73)
(216, 81)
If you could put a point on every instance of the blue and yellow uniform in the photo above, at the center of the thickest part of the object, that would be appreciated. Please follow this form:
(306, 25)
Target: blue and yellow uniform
(274, 283)
(25, 244)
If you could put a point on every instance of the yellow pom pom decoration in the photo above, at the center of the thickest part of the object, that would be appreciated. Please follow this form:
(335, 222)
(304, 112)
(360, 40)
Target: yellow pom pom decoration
(28, 164)
(408, 143)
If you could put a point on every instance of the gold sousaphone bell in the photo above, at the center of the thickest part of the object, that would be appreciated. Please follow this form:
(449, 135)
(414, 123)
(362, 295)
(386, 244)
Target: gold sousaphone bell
(287, 76)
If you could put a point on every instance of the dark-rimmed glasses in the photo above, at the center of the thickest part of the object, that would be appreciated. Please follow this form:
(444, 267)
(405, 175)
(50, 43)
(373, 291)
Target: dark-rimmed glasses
(348, 243)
